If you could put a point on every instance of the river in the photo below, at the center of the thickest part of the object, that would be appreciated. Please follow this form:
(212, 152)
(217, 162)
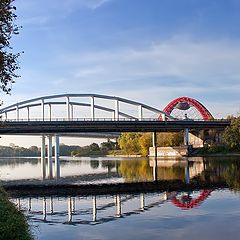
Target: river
(209, 212)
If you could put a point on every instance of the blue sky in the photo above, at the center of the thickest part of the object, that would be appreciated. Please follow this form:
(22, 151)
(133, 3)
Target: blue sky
(150, 51)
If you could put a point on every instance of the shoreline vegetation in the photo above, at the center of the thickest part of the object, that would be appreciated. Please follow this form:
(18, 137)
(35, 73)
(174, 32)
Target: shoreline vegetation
(94, 150)
(13, 224)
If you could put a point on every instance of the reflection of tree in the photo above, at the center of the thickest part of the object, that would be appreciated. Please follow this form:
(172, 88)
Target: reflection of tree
(224, 170)
(137, 170)
(232, 175)
(171, 173)
(109, 164)
(94, 164)
(140, 170)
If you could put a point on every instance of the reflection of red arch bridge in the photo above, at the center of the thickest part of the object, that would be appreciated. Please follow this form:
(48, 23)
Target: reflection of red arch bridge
(187, 203)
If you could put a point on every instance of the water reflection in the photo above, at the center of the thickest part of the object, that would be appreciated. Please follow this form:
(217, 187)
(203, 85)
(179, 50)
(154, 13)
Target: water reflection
(92, 210)
(162, 214)
(115, 170)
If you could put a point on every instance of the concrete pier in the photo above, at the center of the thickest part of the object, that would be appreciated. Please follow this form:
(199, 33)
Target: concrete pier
(43, 157)
(57, 160)
(50, 174)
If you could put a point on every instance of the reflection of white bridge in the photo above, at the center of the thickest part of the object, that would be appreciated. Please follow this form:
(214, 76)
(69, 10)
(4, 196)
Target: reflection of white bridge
(75, 216)
(96, 212)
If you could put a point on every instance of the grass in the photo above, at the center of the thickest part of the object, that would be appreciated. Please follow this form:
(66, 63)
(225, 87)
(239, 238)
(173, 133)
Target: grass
(13, 224)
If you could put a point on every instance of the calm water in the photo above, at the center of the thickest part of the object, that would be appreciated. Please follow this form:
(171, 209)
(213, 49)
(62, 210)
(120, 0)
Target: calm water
(201, 214)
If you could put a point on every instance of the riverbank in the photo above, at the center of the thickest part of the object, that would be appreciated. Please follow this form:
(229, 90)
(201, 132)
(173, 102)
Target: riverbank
(13, 225)
(215, 151)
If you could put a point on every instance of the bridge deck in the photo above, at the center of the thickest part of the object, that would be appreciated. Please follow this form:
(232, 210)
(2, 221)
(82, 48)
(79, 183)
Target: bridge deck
(54, 127)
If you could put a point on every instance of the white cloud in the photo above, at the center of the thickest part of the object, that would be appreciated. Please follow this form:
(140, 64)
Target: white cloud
(35, 13)
(188, 61)
(93, 4)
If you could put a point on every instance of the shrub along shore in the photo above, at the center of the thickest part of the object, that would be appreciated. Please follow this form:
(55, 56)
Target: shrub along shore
(13, 224)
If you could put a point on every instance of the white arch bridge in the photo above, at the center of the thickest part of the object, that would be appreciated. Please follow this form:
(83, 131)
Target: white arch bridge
(99, 107)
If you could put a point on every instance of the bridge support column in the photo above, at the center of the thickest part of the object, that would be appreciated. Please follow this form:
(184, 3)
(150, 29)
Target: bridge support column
(50, 175)
(57, 160)
(186, 136)
(154, 141)
(43, 157)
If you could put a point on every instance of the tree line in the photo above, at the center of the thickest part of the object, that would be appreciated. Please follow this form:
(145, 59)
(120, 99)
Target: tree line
(65, 150)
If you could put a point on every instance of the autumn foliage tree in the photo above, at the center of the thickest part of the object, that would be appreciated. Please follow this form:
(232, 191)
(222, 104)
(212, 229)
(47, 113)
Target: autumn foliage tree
(8, 59)
(139, 143)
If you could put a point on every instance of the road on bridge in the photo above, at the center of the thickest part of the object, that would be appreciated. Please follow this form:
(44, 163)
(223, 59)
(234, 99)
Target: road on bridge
(55, 127)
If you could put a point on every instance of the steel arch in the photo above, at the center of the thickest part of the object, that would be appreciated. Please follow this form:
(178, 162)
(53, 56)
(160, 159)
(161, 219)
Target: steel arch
(70, 101)
(206, 115)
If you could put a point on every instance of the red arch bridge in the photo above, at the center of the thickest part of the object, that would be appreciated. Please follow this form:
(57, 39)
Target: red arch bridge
(73, 114)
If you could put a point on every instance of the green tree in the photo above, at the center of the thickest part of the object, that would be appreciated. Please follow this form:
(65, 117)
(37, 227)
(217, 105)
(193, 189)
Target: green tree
(129, 143)
(8, 60)
(94, 147)
(170, 139)
(231, 134)
(106, 146)
(145, 141)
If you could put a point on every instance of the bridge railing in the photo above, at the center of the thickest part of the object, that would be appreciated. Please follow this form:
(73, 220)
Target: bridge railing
(105, 120)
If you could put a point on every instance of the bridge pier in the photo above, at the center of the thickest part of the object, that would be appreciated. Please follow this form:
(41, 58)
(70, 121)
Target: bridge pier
(50, 174)
(49, 164)
(57, 160)
(154, 141)
(186, 136)
(43, 157)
